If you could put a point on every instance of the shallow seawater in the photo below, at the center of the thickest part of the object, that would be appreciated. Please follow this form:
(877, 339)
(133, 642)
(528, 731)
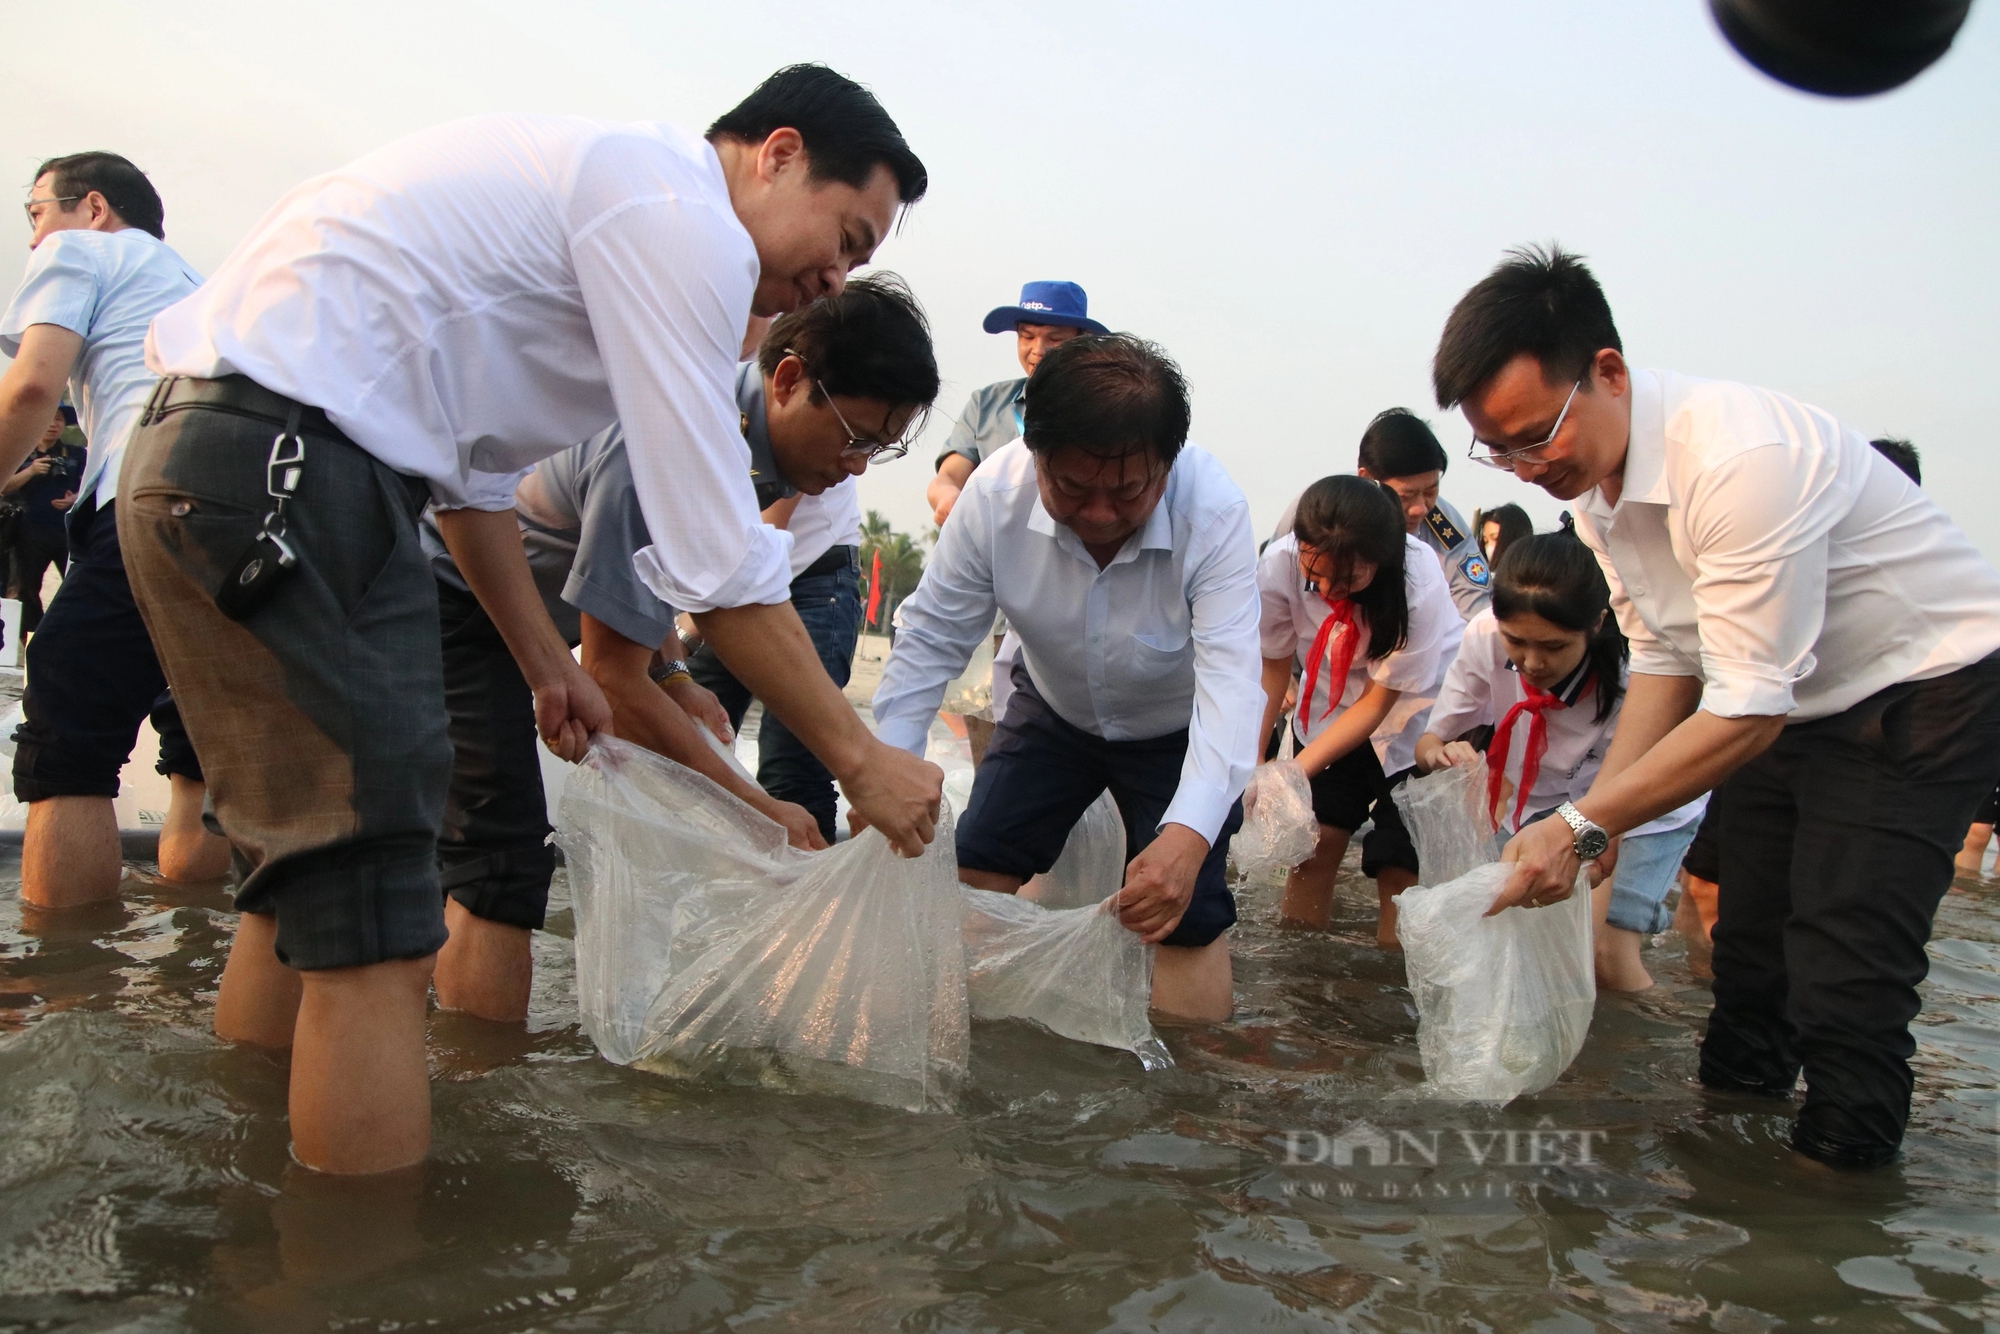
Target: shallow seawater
(145, 1185)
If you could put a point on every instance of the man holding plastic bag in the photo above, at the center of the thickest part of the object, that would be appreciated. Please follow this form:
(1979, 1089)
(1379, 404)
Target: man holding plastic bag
(857, 362)
(1124, 559)
(1808, 630)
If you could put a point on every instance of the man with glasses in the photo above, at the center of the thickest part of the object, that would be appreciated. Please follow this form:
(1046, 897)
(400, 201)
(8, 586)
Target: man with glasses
(98, 272)
(1124, 559)
(861, 357)
(880, 364)
(1811, 636)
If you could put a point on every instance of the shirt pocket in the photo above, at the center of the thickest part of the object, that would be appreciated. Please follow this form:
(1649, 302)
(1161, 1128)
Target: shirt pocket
(1161, 656)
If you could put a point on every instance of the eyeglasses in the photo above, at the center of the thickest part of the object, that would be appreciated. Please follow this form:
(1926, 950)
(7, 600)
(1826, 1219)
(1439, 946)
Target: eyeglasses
(34, 218)
(1503, 459)
(858, 446)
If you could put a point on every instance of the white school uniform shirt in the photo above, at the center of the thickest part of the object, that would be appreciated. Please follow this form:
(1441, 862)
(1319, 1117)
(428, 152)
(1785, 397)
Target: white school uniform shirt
(1482, 686)
(1290, 620)
(105, 287)
(1763, 548)
(1163, 638)
(822, 522)
(479, 296)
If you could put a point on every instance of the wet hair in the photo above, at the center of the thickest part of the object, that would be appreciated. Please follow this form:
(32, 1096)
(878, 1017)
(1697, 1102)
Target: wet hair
(1109, 395)
(124, 187)
(1542, 301)
(1556, 577)
(1398, 443)
(1514, 525)
(1903, 454)
(871, 341)
(847, 134)
(1346, 519)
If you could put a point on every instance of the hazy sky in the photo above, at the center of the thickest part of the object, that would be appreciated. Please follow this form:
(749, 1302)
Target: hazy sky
(1289, 198)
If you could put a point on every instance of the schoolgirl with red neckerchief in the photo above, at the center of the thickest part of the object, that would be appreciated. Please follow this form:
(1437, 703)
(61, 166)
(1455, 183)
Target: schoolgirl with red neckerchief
(1364, 612)
(1545, 668)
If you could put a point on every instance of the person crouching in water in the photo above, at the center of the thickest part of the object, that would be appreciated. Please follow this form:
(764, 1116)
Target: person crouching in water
(1364, 608)
(1124, 559)
(1545, 668)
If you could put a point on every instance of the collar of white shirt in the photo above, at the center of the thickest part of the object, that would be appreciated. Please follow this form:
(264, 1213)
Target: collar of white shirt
(1645, 471)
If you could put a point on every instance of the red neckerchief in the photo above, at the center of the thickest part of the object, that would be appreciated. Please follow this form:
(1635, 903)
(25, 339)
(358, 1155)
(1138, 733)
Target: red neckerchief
(1538, 702)
(1340, 613)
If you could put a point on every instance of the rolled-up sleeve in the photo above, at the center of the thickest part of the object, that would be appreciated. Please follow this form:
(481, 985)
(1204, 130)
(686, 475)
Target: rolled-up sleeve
(1222, 588)
(939, 626)
(59, 287)
(667, 284)
(1758, 524)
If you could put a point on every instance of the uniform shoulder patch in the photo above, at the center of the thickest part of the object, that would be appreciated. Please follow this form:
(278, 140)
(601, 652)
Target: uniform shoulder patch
(1443, 528)
(1474, 569)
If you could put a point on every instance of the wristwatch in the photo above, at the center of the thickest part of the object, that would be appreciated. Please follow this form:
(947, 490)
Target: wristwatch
(664, 672)
(1591, 840)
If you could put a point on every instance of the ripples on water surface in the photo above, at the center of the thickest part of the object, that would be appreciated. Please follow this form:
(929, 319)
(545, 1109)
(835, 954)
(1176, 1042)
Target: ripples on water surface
(144, 1181)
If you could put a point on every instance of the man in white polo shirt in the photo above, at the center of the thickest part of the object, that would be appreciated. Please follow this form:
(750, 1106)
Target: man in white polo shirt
(1124, 560)
(98, 272)
(1809, 631)
(422, 326)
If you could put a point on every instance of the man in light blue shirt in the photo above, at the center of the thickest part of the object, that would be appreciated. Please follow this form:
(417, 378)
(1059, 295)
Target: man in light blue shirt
(98, 272)
(1130, 577)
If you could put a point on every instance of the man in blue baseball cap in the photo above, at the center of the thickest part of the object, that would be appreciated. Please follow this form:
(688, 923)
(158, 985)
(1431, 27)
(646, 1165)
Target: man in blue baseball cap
(1049, 315)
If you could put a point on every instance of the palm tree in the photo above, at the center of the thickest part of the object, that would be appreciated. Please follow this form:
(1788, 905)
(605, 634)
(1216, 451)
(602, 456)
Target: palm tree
(902, 562)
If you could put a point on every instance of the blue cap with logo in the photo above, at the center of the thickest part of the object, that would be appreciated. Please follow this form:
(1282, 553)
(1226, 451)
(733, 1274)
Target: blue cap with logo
(1046, 303)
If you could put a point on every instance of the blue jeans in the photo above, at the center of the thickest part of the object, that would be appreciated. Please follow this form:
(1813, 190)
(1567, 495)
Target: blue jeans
(830, 606)
(1647, 868)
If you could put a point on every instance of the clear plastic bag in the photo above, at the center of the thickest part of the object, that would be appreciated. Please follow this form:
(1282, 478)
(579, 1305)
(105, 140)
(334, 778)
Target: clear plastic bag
(1076, 972)
(1447, 817)
(1504, 1002)
(707, 947)
(1092, 865)
(1279, 829)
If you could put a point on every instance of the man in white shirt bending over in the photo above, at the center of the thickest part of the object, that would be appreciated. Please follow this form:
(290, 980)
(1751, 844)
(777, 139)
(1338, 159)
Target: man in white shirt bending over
(1124, 559)
(1809, 631)
(421, 326)
(99, 270)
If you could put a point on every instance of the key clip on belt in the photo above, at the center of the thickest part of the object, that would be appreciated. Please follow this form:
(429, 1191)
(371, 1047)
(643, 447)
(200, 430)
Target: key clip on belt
(282, 472)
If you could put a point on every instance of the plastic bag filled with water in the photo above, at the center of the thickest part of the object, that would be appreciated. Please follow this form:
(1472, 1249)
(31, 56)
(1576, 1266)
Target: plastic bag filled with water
(1503, 1002)
(1077, 972)
(1279, 829)
(1092, 865)
(707, 947)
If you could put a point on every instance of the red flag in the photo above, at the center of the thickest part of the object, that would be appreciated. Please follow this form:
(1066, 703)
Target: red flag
(875, 588)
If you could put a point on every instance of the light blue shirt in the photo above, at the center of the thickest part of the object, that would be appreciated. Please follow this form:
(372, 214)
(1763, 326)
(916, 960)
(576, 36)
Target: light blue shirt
(1161, 639)
(106, 287)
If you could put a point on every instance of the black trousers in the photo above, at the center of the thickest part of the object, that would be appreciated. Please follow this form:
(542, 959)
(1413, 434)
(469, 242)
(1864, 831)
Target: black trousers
(493, 850)
(35, 550)
(1836, 845)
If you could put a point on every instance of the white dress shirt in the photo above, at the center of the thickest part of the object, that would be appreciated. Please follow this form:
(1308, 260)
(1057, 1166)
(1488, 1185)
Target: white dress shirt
(1482, 686)
(1163, 638)
(1767, 550)
(105, 287)
(822, 522)
(1290, 621)
(474, 298)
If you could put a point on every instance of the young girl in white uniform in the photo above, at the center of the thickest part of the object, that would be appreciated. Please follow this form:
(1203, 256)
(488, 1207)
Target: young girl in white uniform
(1364, 610)
(1545, 667)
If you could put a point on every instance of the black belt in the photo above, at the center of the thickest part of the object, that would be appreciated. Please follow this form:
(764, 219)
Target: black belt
(240, 395)
(833, 562)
